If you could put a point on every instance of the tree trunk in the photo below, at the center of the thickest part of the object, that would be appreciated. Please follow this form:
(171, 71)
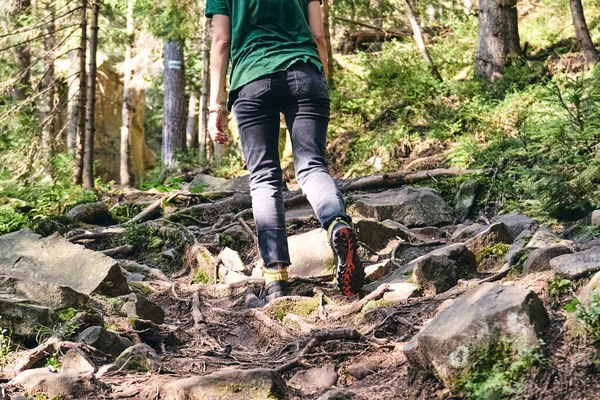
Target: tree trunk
(327, 30)
(73, 108)
(498, 39)
(205, 91)
(125, 172)
(590, 54)
(174, 106)
(88, 165)
(418, 36)
(80, 138)
(48, 85)
(22, 53)
(191, 132)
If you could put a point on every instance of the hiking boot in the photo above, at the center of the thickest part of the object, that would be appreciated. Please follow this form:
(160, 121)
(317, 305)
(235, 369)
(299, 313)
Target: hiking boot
(276, 289)
(349, 270)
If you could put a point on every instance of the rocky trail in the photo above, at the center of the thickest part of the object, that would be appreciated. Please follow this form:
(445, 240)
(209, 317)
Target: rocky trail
(142, 296)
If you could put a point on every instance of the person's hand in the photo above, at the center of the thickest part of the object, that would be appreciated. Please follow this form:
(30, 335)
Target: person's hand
(217, 126)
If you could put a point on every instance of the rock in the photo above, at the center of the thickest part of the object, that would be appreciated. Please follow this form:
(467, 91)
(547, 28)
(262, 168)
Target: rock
(202, 261)
(27, 256)
(465, 199)
(43, 293)
(495, 234)
(518, 245)
(361, 370)
(413, 207)
(137, 306)
(441, 269)
(589, 245)
(430, 232)
(240, 237)
(76, 361)
(543, 237)
(517, 223)
(141, 358)
(376, 271)
(577, 265)
(466, 232)
(339, 394)
(590, 290)
(377, 234)
(104, 340)
(539, 259)
(106, 370)
(214, 184)
(315, 378)
(229, 384)
(310, 254)
(595, 218)
(232, 261)
(56, 385)
(303, 213)
(400, 291)
(90, 213)
(487, 315)
(22, 319)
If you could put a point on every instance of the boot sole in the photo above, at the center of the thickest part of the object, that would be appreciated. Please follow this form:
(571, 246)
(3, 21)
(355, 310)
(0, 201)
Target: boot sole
(350, 272)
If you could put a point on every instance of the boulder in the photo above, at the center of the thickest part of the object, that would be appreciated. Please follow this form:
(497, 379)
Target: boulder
(478, 320)
(441, 269)
(28, 256)
(377, 234)
(543, 237)
(104, 340)
(46, 294)
(55, 385)
(413, 207)
(539, 259)
(211, 183)
(226, 384)
(137, 306)
(465, 199)
(494, 234)
(518, 245)
(140, 358)
(595, 218)
(376, 271)
(517, 223)
(400, 291)
(310, 254)
(315, 378)
(466, 232)
(23, 319)
(76, 361)
(240, 237)
(90, 213)
(577, 265)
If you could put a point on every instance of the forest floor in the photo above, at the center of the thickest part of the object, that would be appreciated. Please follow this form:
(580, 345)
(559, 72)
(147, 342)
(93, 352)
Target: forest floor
(323, 345)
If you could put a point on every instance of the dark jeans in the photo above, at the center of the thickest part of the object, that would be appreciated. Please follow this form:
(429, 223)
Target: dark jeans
(301, 94)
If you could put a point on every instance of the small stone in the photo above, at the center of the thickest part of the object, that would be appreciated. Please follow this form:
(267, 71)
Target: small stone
(104, 340)
(90, 213)
(232, 261)
(339, 394)
(56, 385)
(441, 269)
(376, 271)
(539, 259)
(517, 223)
(465, 199)
(315, 378)
(169, 254)
(76, 361)
(494, 234)
(137, 306)
(140, 357)
(400, 291)
(361, 370)
(577, 265)
(595, 218)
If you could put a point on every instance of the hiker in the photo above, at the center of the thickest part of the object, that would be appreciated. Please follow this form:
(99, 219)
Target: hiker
(279, 58)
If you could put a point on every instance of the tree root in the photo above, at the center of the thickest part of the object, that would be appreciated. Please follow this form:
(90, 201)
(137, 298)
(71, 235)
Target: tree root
(357, 306)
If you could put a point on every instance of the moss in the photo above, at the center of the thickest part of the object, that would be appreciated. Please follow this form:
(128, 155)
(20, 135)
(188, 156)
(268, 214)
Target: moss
(519, 260)
(141, 288)
(496, 251)
(201, 277)
(375, 304)
(302, 308)
(558, 286)
(225, 240)
(132, 321)
(111, 327)
(497, 369)
(65, 314)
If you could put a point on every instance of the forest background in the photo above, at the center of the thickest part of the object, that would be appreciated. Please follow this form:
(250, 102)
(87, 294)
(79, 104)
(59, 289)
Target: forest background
(97, 94)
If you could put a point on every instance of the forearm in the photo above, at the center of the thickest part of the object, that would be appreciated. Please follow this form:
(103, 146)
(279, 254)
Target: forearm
(219, 61)
(322, 47)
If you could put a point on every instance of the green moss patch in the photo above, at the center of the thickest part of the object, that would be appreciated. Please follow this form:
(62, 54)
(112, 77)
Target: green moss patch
(496, 251)
(302, 308)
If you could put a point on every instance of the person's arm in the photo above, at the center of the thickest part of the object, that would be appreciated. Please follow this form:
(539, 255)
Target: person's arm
(316, 26)
(219, 61)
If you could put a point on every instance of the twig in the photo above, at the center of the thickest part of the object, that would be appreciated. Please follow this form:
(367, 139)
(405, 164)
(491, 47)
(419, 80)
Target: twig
(247, 228)
(147, 213)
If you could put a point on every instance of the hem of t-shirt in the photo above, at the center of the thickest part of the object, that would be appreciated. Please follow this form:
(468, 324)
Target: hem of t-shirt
(284, 67)
(211, 14)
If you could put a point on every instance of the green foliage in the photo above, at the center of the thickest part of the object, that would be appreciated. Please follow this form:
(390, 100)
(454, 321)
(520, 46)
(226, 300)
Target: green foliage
(497, 370)
(589, 314)
(558, 286)
(201, 277)
(496, 251)
(141, 288)
(65, 314)
(225, 240)
(52, 362)
(6, 343)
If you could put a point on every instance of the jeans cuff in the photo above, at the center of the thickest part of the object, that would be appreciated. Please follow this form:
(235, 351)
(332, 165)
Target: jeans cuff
(346, 218)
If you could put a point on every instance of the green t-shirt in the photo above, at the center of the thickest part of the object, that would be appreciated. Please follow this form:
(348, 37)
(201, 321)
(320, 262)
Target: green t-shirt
(267, 36)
